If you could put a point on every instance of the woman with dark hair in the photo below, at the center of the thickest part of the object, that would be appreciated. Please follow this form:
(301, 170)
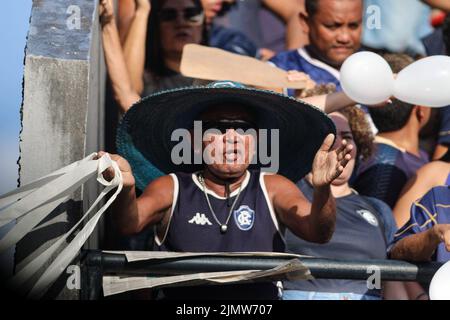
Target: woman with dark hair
(154, 43)
(365, 226)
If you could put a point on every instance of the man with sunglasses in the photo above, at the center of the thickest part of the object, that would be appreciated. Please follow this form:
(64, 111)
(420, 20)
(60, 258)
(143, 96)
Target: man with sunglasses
(223, 204)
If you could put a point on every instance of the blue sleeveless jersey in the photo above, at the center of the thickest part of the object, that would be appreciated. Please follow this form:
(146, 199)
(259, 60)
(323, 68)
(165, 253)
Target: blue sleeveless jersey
(252, 227)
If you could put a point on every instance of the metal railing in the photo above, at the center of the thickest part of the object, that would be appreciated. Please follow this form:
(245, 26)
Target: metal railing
(96, 264)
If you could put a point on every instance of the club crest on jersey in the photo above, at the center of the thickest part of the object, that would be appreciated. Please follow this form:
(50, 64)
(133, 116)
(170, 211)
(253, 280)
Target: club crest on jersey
(369, 217)
(244, 217)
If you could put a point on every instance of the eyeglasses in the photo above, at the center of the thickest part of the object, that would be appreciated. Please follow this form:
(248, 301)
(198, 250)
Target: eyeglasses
(224, 125)
(192, 15)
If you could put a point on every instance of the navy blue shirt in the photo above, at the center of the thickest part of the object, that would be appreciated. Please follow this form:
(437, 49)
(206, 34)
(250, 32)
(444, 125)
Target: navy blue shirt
(301, 60)
(384, 175)
(252, 227)
(365, 229)
(432, 209)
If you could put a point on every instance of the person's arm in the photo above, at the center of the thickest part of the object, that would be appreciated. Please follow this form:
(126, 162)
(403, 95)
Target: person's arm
(134, 46)
(125, 15)
(133, 214)
(330, 103)
(420, 247)
(289, 11)
(438, 4)
(115, 62)
(314, 222)
(426, 178)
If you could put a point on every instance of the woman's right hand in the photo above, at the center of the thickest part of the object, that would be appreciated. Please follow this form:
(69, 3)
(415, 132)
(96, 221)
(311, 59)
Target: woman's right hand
(125, 168)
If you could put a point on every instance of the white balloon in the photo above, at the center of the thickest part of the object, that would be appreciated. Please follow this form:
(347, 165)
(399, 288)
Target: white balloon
(367, 78)
(440, 285)
(425, 82)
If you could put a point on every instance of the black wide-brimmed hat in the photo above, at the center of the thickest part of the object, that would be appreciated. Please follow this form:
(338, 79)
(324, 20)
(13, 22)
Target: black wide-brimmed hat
(144, 135)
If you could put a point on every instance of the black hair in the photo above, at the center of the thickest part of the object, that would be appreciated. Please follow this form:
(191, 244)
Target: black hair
(394, 116)
(154, 61)
(391, 117)
(311, 7)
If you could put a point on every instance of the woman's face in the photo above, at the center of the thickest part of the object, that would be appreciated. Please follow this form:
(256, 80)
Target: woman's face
(343, 132)
(181, 23)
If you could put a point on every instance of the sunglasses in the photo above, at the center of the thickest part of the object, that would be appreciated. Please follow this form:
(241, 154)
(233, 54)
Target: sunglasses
(192, 15)
(224, 125)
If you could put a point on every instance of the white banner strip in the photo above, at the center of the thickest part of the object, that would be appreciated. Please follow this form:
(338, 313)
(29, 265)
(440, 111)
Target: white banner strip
(28, 222)
(21, 192)
(83, 171)
(63, 185)
(68, 254)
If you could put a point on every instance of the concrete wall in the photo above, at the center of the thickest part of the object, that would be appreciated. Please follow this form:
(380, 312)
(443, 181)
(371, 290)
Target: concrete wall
(62, 112)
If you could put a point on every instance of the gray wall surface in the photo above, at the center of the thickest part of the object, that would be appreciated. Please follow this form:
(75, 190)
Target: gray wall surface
(62, 113)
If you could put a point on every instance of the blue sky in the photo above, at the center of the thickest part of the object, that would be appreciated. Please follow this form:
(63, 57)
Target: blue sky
(14, 18)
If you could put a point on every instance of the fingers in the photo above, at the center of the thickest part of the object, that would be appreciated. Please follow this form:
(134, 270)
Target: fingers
(343, 155)
(327, 143)
(294, 75)
(345, 160)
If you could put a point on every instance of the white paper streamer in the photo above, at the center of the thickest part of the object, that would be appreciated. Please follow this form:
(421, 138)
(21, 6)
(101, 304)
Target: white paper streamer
(28, 222)
(38, 199)
(62, 185)
(21, 192)
(68, 254)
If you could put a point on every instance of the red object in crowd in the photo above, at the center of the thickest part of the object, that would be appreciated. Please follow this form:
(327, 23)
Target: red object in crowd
(438, 19)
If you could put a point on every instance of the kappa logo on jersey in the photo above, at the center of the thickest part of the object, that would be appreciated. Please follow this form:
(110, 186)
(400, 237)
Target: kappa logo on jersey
(369, 217)
(244, 218)
(200, 219)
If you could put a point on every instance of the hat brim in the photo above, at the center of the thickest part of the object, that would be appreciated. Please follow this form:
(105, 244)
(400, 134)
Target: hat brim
(144, 135)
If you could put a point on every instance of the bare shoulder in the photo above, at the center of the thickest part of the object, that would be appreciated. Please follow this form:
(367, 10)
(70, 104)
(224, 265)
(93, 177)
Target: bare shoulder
(161, 187)
(434, 173)
(276, 184)
(156, 200)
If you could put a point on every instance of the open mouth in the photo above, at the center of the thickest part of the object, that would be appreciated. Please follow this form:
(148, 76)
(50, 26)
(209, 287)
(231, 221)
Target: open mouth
(233, 154)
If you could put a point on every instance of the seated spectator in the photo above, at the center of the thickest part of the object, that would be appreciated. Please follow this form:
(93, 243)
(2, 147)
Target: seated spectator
(426, 236)
(155, 40)
(335, 29)
(397, 154)
(364, 226)
(125, 92)
(429, 176)
(217, 35)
